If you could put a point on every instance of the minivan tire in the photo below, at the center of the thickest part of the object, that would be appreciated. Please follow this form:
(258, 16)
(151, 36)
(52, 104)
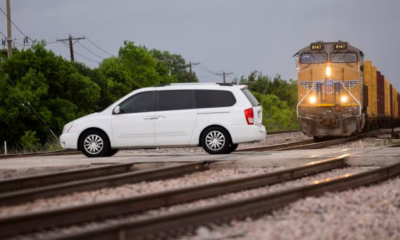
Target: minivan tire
(232, 148)
(216, 140)
(95, 143)
(112, 152)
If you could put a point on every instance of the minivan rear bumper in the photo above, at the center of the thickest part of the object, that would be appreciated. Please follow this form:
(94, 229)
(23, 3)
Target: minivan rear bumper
(251, 133)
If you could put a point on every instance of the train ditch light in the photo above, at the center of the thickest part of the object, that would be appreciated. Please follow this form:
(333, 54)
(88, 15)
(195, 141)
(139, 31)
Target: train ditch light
(343, 99)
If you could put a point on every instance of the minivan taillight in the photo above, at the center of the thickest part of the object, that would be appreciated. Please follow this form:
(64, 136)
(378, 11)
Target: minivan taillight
(248, 113)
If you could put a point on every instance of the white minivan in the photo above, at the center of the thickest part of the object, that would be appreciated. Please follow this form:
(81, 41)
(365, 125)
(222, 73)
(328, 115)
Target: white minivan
(215, 116)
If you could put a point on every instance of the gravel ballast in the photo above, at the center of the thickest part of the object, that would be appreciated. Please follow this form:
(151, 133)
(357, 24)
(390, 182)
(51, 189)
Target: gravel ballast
(361, 214)
(196, 204)
(368, 143)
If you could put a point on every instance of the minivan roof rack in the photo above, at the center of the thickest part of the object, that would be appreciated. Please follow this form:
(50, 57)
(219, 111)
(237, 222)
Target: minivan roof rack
(225, 84)
(163, 85)
(169, 84)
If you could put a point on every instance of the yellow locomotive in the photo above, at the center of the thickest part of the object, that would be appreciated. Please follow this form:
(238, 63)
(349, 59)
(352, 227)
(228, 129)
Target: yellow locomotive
(339, 94)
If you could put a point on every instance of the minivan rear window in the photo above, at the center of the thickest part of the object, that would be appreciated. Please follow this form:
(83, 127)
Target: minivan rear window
(214, 98)
(250, 97)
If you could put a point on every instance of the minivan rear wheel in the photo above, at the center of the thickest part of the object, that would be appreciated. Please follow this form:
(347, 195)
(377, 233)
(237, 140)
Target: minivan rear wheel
(216, 140)
(95, 143)
(232, 147)
(112, 152)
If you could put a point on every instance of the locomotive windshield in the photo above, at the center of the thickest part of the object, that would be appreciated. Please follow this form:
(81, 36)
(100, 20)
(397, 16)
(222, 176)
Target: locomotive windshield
(313, 58)
(344, 57)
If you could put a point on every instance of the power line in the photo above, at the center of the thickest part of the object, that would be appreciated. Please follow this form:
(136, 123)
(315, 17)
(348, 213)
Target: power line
(71, 45)
(64, 44)
(204, 68)
(208, 70)
(14, 24)
(98, 46)
(90, 51)
(224, 74)
(205, 76)
(3, 34)
(29, 104)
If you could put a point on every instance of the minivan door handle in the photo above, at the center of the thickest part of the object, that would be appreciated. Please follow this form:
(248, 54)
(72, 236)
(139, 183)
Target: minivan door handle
(149, 118)
(160, 116)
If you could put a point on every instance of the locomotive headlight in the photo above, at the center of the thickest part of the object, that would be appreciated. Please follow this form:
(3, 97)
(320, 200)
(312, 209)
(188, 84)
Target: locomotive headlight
(328, 71)
(343, 99)
(313, 99)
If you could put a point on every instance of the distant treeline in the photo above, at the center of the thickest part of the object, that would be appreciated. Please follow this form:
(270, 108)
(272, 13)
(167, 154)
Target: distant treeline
(278, 99)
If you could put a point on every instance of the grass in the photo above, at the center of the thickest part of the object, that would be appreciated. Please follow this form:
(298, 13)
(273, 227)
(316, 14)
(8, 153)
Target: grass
(50, 145)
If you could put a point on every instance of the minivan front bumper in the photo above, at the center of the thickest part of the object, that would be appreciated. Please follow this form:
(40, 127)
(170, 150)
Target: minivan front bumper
(69, 140)
(251, 133)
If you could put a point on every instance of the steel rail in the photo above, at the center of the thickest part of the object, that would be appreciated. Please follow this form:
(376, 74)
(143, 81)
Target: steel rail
(277, 147)
(283, 131)
(307, 145)
(168, 224)
(40, 154)
(20, 183)
(28, 222)
(98, 183)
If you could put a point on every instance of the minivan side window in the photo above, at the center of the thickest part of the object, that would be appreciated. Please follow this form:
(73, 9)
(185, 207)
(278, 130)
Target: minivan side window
(141, 102)
(253, 100)
(175, 100)
(214, 98)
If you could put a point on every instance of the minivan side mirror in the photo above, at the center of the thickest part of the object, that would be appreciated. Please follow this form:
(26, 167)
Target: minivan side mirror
(117, 110)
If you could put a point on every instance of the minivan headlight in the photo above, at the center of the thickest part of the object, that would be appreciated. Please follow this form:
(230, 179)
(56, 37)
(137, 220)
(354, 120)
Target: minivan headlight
(68, 127)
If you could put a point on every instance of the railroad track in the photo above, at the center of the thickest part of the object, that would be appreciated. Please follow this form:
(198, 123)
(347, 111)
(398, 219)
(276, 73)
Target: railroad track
(165, 224)
(39, 154)
(308, 144)
(177, 223)
(90, 212)
(20, 190)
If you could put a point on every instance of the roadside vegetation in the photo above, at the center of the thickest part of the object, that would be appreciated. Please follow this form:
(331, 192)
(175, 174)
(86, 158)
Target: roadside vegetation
(61, 91)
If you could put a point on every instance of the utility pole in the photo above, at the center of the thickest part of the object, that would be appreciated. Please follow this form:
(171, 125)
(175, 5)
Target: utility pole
(9, 36)
(190, 70)
(224, 73)
(170, 61)
(71, 44)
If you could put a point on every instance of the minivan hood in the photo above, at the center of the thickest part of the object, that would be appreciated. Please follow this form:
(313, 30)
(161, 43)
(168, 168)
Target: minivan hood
(87, 116)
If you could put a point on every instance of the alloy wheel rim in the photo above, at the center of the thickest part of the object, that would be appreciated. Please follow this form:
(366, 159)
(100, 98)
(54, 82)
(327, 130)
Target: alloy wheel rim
(215, 140)
(93, 144)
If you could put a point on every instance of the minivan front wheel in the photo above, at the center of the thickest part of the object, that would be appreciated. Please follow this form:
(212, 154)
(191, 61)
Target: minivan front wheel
(95, 144)
(216, 140)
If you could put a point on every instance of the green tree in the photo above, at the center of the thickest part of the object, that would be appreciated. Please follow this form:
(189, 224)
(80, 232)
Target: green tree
(278, 99)
(50, 85)
(284, 90)
(134, 68)
(174, 64)
(277, 115)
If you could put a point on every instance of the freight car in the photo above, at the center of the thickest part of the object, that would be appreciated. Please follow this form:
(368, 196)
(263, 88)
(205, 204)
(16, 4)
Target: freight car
(340, 94)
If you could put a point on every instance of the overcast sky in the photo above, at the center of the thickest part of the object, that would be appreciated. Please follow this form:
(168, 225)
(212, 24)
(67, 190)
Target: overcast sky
(225, 35)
